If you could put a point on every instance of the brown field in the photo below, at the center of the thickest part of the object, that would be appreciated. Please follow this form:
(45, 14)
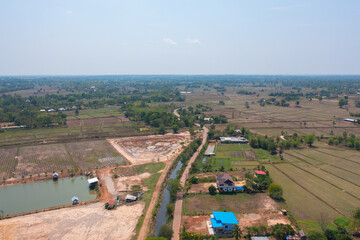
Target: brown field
(92, 154)
(73, 123)
(83, 222)
(7, 162)
(43, 158)
(154, 148)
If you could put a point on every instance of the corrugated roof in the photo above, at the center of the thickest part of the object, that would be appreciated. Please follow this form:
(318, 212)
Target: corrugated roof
(225, 217)
(260, 172)
(93, 180)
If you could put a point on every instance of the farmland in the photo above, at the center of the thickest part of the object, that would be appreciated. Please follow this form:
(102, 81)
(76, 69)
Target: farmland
(31, 160)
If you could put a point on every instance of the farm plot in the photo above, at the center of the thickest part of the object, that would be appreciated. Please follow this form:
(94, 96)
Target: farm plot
(109, 120)
(327, 192)
(92, 154)
(90, 122)
(152, 148)
(330, 160)
(73, 123)
(43, 158)
(7, 162)
(300, 202)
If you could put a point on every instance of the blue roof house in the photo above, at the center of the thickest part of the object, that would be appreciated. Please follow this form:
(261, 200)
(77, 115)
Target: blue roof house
(223, 222)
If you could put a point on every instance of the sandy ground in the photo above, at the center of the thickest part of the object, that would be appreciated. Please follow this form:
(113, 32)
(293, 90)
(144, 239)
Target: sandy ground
(84, 222)
(109, 184)
(125, 183)
(267, 219)
(153, 148)
(201, 187)
(196, 223)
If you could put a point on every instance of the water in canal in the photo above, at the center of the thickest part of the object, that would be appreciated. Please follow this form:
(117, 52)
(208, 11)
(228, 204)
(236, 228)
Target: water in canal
(41, 195)
(161, 217)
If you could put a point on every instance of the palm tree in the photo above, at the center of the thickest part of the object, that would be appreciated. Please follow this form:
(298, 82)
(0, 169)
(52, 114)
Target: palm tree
(237, 232)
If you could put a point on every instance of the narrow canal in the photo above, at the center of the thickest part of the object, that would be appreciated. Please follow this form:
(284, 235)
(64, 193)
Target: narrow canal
(41, 195)
(161, 217)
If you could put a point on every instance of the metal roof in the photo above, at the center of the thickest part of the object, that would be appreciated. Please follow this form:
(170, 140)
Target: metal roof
(93, 180)
(260, 172)
(225, 218)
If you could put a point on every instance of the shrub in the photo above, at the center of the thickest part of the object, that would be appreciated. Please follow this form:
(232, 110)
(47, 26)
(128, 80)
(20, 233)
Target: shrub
(166, 232)
(316, 235)
(275, 191)
(212, 190)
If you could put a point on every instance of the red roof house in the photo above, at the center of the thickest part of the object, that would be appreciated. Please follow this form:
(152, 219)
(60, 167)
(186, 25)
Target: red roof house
(260, 173)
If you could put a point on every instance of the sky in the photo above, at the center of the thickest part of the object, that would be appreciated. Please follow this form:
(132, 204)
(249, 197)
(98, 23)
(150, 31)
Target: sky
(93, 37)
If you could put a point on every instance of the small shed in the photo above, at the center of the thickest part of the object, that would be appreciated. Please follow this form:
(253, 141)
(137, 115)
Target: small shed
(93, 181)
(55, 176)
(130, 198)
(302, 235)
(75, 200)
(260, 173)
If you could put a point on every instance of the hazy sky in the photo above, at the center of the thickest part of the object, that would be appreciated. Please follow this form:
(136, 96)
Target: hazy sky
(66, 37)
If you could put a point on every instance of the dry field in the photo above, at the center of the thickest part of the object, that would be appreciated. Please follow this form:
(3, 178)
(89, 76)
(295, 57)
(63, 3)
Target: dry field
(92, 154)
(43, 158)
(7, 161)
(146, 149)
(200, 187)
(84, 222)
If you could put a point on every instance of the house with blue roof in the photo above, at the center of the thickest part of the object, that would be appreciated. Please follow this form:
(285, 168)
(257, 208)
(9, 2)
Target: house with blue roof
(223, 222)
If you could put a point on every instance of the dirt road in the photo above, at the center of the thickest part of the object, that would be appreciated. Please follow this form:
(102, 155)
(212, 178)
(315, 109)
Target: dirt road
(178, 203)
(144, 228)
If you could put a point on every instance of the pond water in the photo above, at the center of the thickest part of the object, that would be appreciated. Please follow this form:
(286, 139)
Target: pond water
(41, 195)
(161, 217)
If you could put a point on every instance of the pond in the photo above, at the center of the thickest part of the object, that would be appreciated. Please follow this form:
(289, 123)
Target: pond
(41, 195)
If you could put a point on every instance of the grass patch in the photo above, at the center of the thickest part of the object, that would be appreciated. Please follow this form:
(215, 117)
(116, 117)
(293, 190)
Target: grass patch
(342, 221)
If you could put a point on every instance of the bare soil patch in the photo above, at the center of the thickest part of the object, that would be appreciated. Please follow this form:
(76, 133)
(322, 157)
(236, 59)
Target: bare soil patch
(84, 222)
(257, 219)
(196, 224)
(125, 183)
(153, 148)
(200, 187)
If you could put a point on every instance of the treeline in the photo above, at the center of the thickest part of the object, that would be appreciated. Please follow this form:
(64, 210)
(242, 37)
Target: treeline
(291, 96)
(244, 92)
(346, 140)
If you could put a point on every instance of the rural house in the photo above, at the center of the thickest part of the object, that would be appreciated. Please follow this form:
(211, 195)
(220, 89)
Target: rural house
(223, 222)
(225, 183)
(259, 174)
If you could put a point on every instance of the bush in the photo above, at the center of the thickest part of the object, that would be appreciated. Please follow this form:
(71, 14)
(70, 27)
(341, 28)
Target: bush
(316, 235)
(212, 190)
(194, 180)
(166, 232)
(280, 231)
(275, 191)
